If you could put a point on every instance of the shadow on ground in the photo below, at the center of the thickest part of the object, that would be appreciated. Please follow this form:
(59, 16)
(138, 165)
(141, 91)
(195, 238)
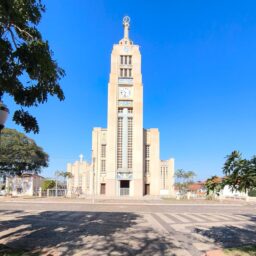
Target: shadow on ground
(89, 233)
(232, 236)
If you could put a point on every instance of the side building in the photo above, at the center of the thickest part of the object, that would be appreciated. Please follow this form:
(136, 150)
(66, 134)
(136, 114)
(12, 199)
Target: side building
(27, 184)
(79, 182)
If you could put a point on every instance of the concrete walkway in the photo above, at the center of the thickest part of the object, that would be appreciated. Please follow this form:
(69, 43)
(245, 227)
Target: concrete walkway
(74, 227)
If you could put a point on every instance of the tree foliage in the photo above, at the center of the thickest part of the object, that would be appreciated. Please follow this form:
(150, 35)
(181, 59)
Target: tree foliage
(28, 71)
(48, 184)
(183, 179)
(240, 173)
(63, 174)
(252, 192)
(213, 185)
(18, 153)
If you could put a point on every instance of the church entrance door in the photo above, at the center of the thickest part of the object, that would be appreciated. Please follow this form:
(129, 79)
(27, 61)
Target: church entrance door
(124, 187)
(147, 189)
(102, 188)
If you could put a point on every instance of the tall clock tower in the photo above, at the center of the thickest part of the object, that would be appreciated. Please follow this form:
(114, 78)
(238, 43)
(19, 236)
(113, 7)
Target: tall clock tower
(126, 157)
(125, 118)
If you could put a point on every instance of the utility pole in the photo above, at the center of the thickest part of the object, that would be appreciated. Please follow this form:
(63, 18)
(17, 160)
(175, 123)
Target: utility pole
(56, 183)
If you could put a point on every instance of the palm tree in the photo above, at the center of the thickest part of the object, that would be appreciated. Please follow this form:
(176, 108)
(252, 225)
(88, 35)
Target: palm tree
(65, 174)
(62, 174)
(240, 173)
(184, 179)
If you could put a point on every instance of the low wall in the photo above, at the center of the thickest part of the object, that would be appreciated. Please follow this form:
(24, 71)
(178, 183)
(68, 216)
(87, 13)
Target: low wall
(251, 199)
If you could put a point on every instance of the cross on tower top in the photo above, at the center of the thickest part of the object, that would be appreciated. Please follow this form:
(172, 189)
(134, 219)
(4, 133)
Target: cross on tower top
(126, 24)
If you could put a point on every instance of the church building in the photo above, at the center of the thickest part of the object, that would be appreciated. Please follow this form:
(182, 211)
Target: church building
(125, 156)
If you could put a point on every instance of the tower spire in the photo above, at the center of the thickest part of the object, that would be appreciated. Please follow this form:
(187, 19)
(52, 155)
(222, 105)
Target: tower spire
(81, 158)
(126, 24)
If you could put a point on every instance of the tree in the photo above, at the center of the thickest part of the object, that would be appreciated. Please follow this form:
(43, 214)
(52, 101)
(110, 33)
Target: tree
(28, 71)
(63, 174)
(48, 184)
(19, 154)
(213, 185)
(252, 192)
(240, 173)
(184, 178)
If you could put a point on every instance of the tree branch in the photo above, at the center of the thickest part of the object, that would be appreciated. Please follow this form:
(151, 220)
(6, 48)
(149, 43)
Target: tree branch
(23, 31)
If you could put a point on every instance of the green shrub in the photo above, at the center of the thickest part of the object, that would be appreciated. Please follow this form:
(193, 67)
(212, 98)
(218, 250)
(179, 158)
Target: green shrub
(48, 184)
(252, 192)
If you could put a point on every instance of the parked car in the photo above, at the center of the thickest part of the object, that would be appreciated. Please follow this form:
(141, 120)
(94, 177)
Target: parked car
(2, 193)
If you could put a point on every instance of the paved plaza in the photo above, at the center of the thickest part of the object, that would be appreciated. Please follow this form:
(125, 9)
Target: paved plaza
(56, 227)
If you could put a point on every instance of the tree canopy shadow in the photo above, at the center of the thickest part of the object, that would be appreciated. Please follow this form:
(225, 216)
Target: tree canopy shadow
(232, 236)
(89, 233)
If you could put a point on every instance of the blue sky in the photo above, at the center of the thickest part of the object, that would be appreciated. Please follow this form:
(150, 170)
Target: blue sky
(198, 64)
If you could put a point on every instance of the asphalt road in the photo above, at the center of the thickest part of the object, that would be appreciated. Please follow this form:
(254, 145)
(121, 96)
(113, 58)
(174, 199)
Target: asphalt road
(70, 227)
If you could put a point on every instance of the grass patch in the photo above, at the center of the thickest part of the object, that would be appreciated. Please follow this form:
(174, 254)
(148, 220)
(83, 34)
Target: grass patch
(241, 251)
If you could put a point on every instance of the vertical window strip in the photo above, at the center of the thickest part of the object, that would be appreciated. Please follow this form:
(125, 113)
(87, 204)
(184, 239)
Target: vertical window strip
(103, 150)
(130, 138)
(147, 159)
(119, 142)
(103, 165)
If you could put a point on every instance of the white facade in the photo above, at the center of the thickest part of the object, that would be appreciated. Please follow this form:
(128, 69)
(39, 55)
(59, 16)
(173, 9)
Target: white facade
(125, 156)
(79, 182)
(227, 192)
(24, 185)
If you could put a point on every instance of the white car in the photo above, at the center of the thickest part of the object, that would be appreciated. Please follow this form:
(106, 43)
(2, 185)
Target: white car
(2, 193)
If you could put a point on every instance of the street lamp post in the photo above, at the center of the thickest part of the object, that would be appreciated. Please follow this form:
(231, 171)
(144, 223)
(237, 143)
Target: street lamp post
(57, 173)
(93, 178)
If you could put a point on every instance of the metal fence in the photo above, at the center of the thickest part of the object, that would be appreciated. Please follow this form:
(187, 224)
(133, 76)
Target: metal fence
(51, 193)
(124, 191)
(56, 192)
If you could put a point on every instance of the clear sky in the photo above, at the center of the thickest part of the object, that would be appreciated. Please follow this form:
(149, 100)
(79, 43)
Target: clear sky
(199, 76)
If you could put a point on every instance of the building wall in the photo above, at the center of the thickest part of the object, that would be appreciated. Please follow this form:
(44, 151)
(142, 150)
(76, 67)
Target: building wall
(37, 182)
(24, 185)
(99, 140)
(111, 185)
(138, 149)
(125, 132)
(79, 183)
(152, 177)
(166, 177)
(227, 192)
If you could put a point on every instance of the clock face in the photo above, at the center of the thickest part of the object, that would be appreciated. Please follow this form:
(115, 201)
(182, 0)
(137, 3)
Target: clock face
(126, 49)
(125, 92)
